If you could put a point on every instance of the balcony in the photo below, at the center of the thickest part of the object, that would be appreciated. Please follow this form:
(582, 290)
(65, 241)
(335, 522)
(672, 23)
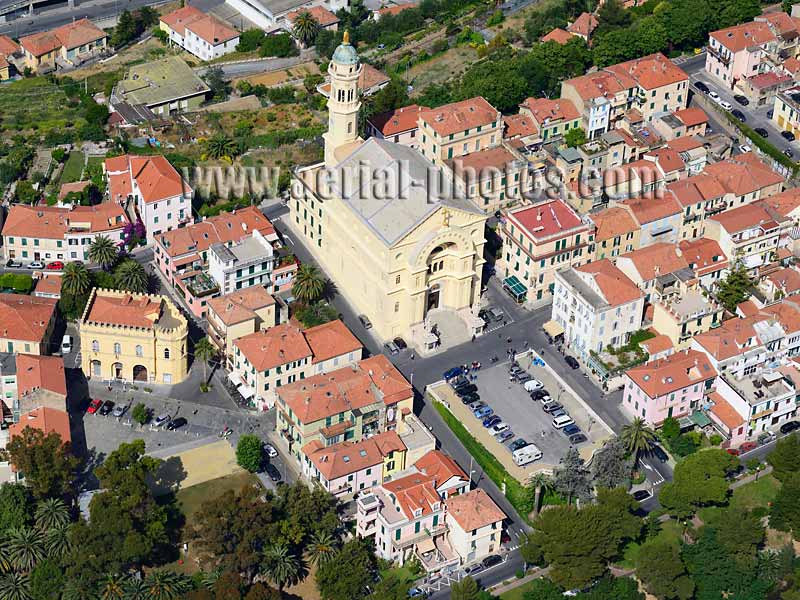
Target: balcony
(200, 285)
(725, 60)
(425, 534)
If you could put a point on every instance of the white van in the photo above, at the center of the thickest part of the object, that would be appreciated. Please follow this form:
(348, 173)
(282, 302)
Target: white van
(562, 421)
(526, 454)
(66, 344)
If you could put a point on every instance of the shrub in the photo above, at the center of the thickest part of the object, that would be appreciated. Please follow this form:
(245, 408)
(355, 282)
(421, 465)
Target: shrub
(715, 439)
(140, 414)
(249, 453)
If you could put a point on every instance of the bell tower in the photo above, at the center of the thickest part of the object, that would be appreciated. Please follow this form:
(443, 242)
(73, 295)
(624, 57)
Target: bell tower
(344, 101)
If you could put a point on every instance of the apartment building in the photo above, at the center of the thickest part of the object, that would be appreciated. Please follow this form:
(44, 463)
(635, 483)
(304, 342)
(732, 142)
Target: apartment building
(400, 126)
(745, 179)
(584, 26)
(659, 218)
(26, 323)
(267, 359)
(28, 382)
(764, 401)
(687, 311)
(66, 46)
(553, 118)
(698, 196)
(45, 233)
(738, 51)
(647, 265)
(786, 110)
(492, 178)
(597, 306)
(538, 240)
(458, 129)
(522, 133)
(671, 387)
(616, 232)
(693, 153)
(160, 195)
(238, 314)
(244, 264)
(349, 403)
(475, 525)
(200, 34)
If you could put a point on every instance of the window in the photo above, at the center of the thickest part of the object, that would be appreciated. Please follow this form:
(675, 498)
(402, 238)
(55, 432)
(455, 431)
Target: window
(95, 346)
(397, 534)
(117, 348)
(417, 526)
(166, 352)
(138, 350)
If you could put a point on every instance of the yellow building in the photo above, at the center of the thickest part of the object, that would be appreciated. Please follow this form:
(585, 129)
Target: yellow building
(398, 246)
(458, 129)
(133, 337)
(26, 323)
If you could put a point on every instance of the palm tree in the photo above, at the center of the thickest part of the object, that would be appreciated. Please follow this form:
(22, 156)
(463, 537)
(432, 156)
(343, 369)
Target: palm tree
(76, 280)
(25, 547)
(308, 284)
(220, 146)
(50, 513)
(204, 350)
(209, 578)
(113, 587)
(131, 276)
(5, 562)
(541, 484)
(79, 589)
(56, 541)
(103, 251)
(322, 547)
(136, 589)
(638, 438)
(305, 28)
(14, 586)
(165, 585)
(280, 566)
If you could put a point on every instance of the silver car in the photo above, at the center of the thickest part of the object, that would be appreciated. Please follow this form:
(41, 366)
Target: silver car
(161, 419)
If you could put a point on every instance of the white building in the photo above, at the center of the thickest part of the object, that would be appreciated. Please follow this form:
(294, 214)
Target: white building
(244, 264)
(272, 14)
(597, 305)
(203, 35)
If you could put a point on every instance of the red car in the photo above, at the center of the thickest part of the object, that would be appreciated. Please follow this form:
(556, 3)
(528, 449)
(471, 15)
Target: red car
(747, 446)
(55, 266)
(94, 406)
(732, 451)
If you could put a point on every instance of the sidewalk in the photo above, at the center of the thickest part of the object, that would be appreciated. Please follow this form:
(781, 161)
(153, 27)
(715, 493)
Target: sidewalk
(536, 574)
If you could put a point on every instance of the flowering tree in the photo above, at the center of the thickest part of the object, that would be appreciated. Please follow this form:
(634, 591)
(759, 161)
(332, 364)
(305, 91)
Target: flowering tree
(133, 233)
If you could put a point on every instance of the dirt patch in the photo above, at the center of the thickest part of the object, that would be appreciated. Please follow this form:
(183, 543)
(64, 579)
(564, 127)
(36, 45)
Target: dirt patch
(208, 462)
(234, 105)
(443, 68)
(274, 78)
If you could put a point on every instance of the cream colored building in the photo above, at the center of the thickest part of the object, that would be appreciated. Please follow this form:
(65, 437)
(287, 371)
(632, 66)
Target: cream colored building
(133, 337)
(26, 323)
(458, 129)
(683, 316)
(401, 250)
(476, 524)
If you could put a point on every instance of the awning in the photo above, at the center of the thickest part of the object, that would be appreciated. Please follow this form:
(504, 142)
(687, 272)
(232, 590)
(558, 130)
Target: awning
(514, 287)
(235, 379)
(700, 419)
(426, 546)
(553, 329)
(247, 392)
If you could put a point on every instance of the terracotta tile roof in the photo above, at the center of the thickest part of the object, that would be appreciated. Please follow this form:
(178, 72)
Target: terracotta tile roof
(728, 340)
(240, 305)
(25, 317)
(391, 383)
(647, 210)
(615, 287)
(545, 111)
(786, 279)
(704, 255)
(75, 186)
(725, 412)
(48, 284)
(397, 121)
(117, 164)
(744, 217)
(691, 116)
(46, 420)
(440, 466)
(156, 178)
(179, 18)
(211, 30)
(685, 144)
(8, 46)
(459, 116)
(668, 159)
(611, 222)
(474, 510)
(768, 79)
(696, 189)
(40, 372)
(784, 203)
(657, 259)
(600, 84)
(650, 72)
(645, 171)
(50, 222)
(558, 35)
(672, 373)
(331, 339)
(223, 228)
(791, 66)
(782, 22)
(274, 347)
(746, 35)
(321, 15)
(40, 43)
(129, 310)
(69, 36)
(370, 77)
(414, 492)
(584, 25)
(3, 62)
(483, 163)
(747, 308)
(519, 126)
(545, 219)
(345, 458)
(786, 312)
(656, 345)
(393, 10)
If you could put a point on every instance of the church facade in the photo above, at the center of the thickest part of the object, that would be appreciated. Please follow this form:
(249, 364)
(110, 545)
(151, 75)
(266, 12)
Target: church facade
(387, 225)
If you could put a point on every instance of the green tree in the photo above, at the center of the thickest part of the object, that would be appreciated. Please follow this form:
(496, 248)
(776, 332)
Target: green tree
(466, 589)
(638, 438)
(740, 533)
(612, 15)
(216, 82)
(131, 277)
(543, 589)
(539, 484)
(392, 96)
(250, 40)
(308, 284)
(530, 552)
(571, 477)
(785, 457)
(662, 572)
(352, 583)
(575, 137)
(611, 466)
(670, 428)
(51, 513)
(14, 586)
(25, 192)
(735, 288)
(322, 547)
(24, 547)
(785, 511)
(204, 351)
(220, 146)
(15, 506)
(46, 580)
(140, 414)
(112, 587)
(45, 460)
(392, 586)
(103, 251)
(249, 452)
(166, 585)
(305, 28)
(76, 280)
(57, 542)
(279, 45)
(699, 480)
(280, 566)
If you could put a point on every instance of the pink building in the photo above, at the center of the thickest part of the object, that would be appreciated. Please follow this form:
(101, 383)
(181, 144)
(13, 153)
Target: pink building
(727, 419)
(739, 51)
(668, 387)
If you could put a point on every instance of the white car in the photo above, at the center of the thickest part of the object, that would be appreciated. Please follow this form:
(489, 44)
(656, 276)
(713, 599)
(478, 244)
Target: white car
(271, 452)
(533, 385)
(744, 148)
(499, 428)
(725, 105)
(36, 265)
(562, 421)
(66, 344)
(714, 96)
(160, 420)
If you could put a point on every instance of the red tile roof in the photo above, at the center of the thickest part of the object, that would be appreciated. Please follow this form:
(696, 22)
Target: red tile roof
(50, 222)
(482, 164)
(685, 144)
(656, 259)
(414, 492)
(8, 46)
(460, 116)
(615, 287)
(668, 159)
(545, 219)
(695, 190)
(178, 19)
(584, 25)
(691, 116)
(25, 318)
(321, 15)
(784, 203)
(746, 35)
(558, 35)
(345, 458)
(519, 126)
(393, 10)
(211, 30)
(650, 72)
(672, 373)
(704, 255)
(440, 466)
(397, 121)
(744, 217)
(768, 79)
(240, 305)
(330, 340)
(69, 36)
(128, 310)
(474, 510)
(722, 409)
(40, 373)
(647, 210)
(48, 420)
(545, 111)
(611, 222)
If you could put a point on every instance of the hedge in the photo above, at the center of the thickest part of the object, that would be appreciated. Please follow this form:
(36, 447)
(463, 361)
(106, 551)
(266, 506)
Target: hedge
(275, 139)
(765, 146)
(20, 283)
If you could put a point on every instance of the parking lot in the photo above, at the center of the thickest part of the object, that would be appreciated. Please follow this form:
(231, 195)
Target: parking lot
(526, 417)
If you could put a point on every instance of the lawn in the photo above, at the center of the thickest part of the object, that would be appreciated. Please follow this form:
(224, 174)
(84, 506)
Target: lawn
(753, 495)
(670, 531)
(190, 499)
(518, 593)
(73, 168)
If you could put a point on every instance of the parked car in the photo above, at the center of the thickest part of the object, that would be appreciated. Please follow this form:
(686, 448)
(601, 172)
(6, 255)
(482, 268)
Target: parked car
(107, 407)
(741, 99)
(641, 495)
(533, 385)
(499, 427)
(571, 430)
(523, 378)
(454, 372)
(365, 322)
(417, 593)
(504, 436)
(36, 265)
(788, 152)
(738, 114)
(744, 148)
(119, 410)
(490, 421)
(789, 426)
(540, 395)
(476, 405)
(273, 472)
(562, 421)
(571, 361)
(762, 132)
(726, 105)
(659, 453)
(766, 437)
(732, 451)
(391, 348)
(470, 388)
(473, 569)
(747, 447)
(400, 343)
(787, 135)
(161, 419)
(483, 412)
(578, 438)
(701, 86)
(517, 444)
(176, 423)
(66, 344)
(56, 265)
(769, 114)
(551, 406)
(13, 264)
(492, 560)
(714, 96)
(270, 450)
(94, 405)
(470, 398)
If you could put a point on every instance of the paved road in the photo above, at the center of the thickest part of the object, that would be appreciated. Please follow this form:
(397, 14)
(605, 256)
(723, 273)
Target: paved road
(263, 65)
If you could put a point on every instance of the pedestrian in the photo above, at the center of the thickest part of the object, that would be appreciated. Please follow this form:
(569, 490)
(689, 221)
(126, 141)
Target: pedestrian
(508, 341)
(412, 356)
(473, 338)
